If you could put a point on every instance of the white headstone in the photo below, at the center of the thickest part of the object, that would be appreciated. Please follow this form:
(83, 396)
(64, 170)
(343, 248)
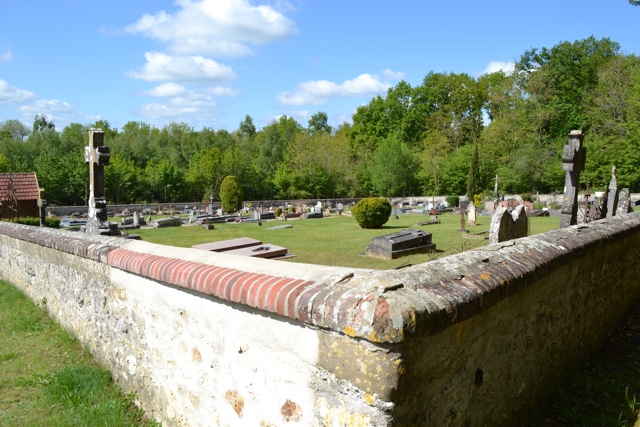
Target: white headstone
(471, 214)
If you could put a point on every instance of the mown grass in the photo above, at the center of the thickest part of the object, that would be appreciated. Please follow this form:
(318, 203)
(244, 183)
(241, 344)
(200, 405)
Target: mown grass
(47, 379)
(338, 240)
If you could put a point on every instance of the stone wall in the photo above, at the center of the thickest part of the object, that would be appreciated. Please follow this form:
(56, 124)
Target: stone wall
(209, 339)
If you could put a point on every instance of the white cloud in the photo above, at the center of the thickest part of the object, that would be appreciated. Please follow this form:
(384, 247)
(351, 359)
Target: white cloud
(393, 75)
(495, 66)
(163, 67)
(6, 56)
(12, 95)
(173, 89)
(28, 105)
(215, 27)
(190, 104)
(318, 92)
(60, 113)
(166, 89)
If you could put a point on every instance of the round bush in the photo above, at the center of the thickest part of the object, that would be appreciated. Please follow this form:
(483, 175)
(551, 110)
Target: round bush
(373, 212)
(231, 194)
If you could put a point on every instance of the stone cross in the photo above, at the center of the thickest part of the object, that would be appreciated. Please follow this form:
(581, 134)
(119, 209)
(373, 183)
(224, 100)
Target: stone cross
(573, 159)
(97, 156)
(612, 198)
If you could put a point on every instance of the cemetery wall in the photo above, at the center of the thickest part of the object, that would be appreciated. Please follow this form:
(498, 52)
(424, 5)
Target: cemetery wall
(211, 339)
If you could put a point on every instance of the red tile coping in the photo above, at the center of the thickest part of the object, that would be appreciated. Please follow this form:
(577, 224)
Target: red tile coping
(262, 291)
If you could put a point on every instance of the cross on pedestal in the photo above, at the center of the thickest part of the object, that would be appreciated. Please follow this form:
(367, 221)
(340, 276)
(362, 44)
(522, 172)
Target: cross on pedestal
(97, 156)
(573, 160)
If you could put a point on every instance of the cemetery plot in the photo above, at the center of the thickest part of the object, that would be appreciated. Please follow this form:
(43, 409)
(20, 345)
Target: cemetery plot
(246, 246)
(405, 242)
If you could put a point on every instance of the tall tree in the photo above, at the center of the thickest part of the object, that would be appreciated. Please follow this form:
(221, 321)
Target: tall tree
(473, 185)
(319, 122)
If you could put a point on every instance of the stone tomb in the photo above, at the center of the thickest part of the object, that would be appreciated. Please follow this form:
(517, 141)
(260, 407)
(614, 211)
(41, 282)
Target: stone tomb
(246, 246)
(405, 242)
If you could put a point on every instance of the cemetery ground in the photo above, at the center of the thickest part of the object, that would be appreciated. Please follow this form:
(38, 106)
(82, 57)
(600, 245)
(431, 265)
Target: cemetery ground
(48, 379)
(338, 240)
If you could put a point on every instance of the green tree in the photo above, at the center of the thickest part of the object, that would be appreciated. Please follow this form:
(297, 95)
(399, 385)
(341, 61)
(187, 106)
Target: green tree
(16, 129)
(392, 171)
(319, 122)
(231, 194)
(473, 184)
(205, 172)
(5, 165)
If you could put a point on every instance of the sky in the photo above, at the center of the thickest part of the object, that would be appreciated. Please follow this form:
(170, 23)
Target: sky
(209, 63)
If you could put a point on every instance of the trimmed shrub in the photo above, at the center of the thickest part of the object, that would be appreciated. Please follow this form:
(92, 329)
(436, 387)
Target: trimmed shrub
(278, 212)
(49, 222)
(372, 212)
(453, 201)
(231, 194)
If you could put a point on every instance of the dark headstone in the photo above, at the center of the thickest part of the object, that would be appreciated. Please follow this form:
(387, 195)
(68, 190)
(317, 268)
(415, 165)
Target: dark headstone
(310, 215)
(405, 242)
(573, 160)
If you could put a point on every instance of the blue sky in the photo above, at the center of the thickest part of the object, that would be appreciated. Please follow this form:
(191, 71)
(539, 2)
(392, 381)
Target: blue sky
(211, 62)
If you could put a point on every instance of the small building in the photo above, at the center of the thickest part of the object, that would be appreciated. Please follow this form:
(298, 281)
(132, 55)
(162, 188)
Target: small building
(20, 195)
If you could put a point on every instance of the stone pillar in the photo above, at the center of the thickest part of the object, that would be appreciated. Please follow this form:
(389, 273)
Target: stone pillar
(573, 159)
(612, 197)
(97, 156)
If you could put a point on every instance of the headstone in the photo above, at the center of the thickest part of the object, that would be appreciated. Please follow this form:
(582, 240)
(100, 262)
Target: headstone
(405, 242)
(97, 156)
(42, 210)
(624, 202)
(489, 206)
(612, 197)
(471, 214)
(136, 219)
(167, 222)
(508, 225)
(573, 160)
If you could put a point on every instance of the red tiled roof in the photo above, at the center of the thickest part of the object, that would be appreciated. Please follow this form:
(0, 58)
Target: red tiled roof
(25, 185)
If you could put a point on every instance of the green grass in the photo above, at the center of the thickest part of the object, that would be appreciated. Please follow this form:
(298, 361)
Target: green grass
(47, 379)
(338, 240)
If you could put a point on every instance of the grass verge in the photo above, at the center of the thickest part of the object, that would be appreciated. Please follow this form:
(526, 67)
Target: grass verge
(339, 240)
(47, 379)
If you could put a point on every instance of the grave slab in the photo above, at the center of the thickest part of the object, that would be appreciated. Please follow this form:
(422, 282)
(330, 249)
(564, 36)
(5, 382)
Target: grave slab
(402, 243)
(228, 245)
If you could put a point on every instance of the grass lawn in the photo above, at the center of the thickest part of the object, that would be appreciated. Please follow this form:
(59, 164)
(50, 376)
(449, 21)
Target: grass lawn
(47, 379)
(338, 240)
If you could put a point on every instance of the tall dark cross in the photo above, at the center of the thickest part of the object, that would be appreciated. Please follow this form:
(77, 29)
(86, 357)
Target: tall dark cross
(573, 159)
(97, 156)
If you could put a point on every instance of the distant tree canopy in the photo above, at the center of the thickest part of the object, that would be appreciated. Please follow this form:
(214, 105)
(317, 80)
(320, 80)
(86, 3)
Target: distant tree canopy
(414, 140)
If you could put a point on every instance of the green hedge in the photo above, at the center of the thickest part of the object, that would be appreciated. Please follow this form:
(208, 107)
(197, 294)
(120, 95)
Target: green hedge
(373, 212)
(453, 201)
(50, 222)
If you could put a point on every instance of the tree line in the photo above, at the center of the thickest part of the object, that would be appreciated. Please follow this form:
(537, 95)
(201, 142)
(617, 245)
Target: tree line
(415, 140)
